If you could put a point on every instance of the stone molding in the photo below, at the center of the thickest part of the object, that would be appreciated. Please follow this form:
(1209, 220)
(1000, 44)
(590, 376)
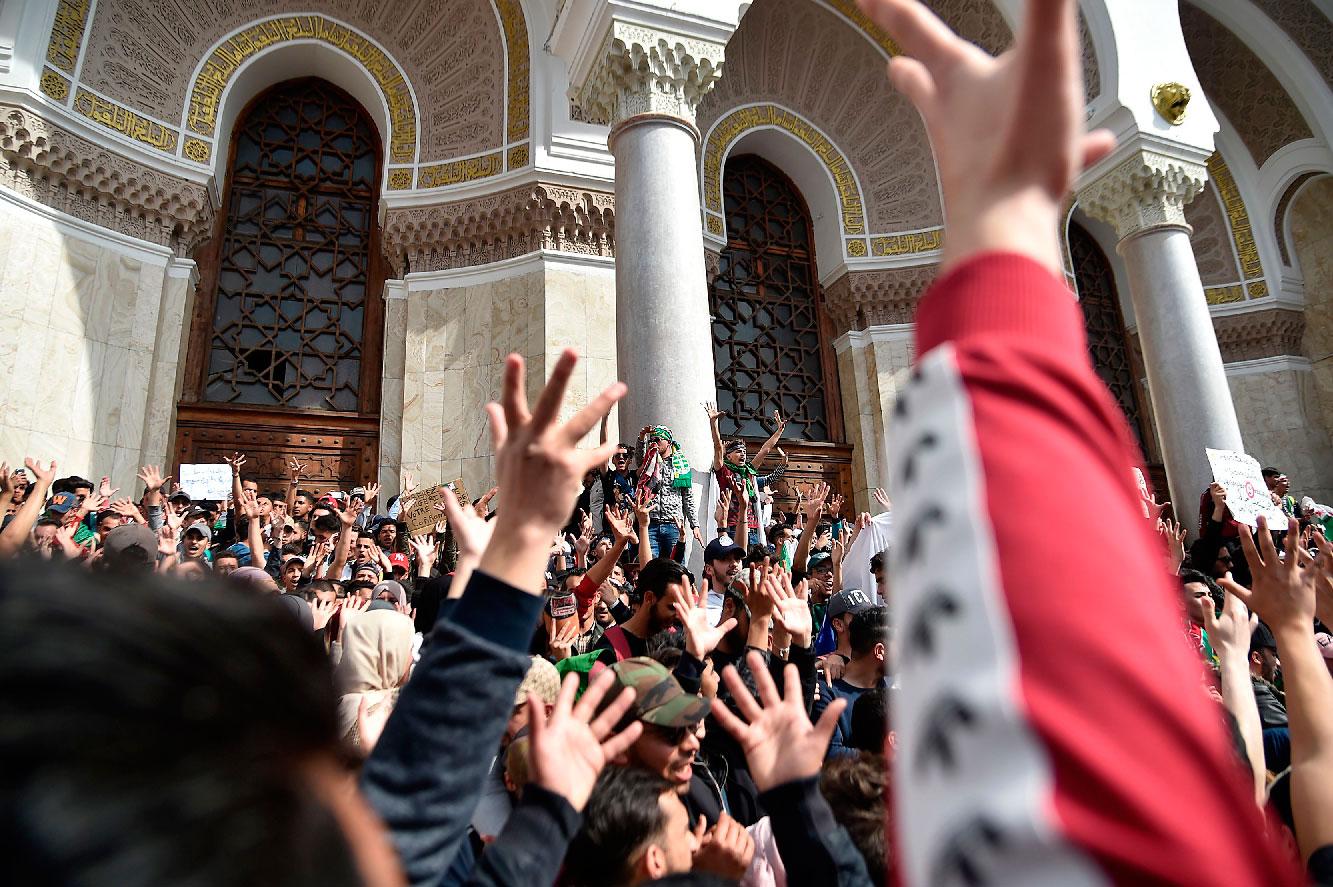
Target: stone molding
(644, 71)
(1250, 335)
(501, 226)
(70, 174)
(861, 299)
(1147, 190)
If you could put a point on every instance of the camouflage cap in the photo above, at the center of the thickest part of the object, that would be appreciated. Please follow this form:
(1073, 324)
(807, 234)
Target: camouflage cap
(658, 698)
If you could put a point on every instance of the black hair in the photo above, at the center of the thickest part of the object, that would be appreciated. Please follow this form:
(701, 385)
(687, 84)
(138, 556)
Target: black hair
(315, 585)
(351, 588)
(666, 639)
(757, 555)
(1270, 471)
(179, 734)
(870, 720)
(48, 522)
(855, 788)
(658, 573)
(869, 627)
(623, 814)
(823, 527)
(309, 495)
(877, 561)
(327, 523)
(274, 496)
(292, 549)
(1193, 577)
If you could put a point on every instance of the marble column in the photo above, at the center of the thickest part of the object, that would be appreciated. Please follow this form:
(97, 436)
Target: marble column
(1144, 197)
(647, 84)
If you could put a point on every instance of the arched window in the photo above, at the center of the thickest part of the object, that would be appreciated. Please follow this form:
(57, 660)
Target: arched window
(768, 345)
(1104, 323)
(287, 326)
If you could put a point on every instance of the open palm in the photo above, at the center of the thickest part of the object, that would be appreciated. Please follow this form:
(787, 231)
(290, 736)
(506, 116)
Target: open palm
(570, 748)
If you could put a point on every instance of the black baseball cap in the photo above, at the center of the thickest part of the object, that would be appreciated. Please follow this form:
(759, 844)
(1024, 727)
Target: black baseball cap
(850, 600)
(721, 547)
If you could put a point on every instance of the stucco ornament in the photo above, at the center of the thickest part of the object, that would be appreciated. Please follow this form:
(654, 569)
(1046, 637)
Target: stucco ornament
(1171, 100)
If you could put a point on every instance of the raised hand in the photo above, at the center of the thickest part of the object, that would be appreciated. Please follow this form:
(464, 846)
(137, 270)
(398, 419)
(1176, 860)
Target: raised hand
(408, 487)
(483, 506)
(569, 749)
(126, 509)
(249, 504)
(618, 519)
(723, 508)
(700, 638)
(791, 606)
(835, 505)
(372, 490)
(537, 460)
(882, 498)
(643, 507)
(779, 422)
(1230, 633)
(1173, 534)
(104, 488)
(713, 412)
(1282, 593)
(472, 533)
(166, 538)
(782, 455)
(152, 478)
(814, 506)
(757, 599)
(423, 546)
(236, 461)
(725, 851)
(1007, 132)
(323, 611)
(370, 720)
(780, 743)
(296, 470)
(42, 477)
(7, 484)
(560, 638)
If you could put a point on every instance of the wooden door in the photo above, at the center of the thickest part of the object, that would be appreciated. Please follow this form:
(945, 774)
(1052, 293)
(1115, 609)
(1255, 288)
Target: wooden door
(286, 338)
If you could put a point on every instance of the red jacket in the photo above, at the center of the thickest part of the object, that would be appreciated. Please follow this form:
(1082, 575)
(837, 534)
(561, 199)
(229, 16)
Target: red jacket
(1051, 727)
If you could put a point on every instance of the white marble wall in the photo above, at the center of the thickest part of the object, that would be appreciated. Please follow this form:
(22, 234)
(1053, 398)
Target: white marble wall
(446, 342)
(84, 319)
(872, 365)
(1279, 414)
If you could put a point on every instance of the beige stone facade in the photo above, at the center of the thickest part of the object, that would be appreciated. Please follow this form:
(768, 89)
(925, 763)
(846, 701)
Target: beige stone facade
(497, 210)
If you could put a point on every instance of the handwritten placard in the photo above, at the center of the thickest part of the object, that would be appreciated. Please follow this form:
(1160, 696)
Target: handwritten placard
(423, 515)
(206, 481)
(1247, 494)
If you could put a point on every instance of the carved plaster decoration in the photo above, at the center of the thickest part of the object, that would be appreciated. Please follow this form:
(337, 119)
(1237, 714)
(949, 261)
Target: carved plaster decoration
(642, 71)
(1147, 190)
(68, 173)
(727, 130)
(779, 57)
(1241, 86)
(860, 299)
(1242, 235)
(228, 57)
(467, 62)
(1309, 28)
(1271, 332)
(501, 226)
(67, 34)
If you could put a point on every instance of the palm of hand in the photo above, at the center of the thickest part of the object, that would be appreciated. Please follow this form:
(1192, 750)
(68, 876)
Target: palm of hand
(568, 760)
(794, 615)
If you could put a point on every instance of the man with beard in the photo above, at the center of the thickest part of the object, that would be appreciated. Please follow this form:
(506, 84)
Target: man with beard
(722, 564)
(662, 582)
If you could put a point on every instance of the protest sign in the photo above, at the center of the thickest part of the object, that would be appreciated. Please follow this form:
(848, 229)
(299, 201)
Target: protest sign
(1247, 494)
(423, 515)
(206, 481)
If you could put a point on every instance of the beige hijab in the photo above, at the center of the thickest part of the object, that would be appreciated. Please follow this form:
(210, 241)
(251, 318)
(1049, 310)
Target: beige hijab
(376, 656)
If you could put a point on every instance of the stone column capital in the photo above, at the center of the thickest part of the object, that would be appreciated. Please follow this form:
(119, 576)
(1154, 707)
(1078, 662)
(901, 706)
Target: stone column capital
(1145, 190)
(641, 70)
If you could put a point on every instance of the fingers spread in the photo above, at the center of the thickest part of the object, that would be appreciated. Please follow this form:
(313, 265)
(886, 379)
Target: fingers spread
(513, 397)
(553, 393)
(915, 28)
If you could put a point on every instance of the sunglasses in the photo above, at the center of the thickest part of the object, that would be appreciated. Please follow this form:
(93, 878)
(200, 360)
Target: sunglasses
(672, 735)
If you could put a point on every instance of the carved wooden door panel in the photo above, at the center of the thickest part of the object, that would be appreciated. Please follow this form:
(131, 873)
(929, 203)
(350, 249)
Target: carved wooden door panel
(285, 345)
(770, 331)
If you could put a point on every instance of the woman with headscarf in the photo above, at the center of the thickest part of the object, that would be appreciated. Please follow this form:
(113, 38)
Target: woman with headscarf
(376, 660)
(666, 474)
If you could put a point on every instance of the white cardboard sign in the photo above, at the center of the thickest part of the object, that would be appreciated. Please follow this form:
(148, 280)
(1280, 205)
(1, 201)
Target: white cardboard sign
(1247, 494)
(206, 481)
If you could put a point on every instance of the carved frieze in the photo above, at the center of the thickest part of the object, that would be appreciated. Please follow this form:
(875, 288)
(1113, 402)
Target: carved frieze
(1271, 332)
(500, 226)
(1146, 190)
(860, 299)
(644, 71)
(71, 174)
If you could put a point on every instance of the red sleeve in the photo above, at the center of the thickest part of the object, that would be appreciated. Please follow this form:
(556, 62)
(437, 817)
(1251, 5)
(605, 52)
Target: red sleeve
(1051, 727)
(584, 594)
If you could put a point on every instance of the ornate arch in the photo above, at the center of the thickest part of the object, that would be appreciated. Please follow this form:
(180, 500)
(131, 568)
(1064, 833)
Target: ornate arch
(233, 52)
(151, 120)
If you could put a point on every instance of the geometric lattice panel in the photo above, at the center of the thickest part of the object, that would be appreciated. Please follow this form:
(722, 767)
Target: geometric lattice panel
(1095, 280)
(766, 338)
(290, 309)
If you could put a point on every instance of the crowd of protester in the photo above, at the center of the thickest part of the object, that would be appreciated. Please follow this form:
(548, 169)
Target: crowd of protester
(290, 686)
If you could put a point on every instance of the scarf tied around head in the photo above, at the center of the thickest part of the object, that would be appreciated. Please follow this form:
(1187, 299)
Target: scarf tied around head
(678, 470)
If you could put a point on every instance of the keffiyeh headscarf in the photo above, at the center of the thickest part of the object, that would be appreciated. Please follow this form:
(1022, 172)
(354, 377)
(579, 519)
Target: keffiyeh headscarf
(679, 467)
(746, 470)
